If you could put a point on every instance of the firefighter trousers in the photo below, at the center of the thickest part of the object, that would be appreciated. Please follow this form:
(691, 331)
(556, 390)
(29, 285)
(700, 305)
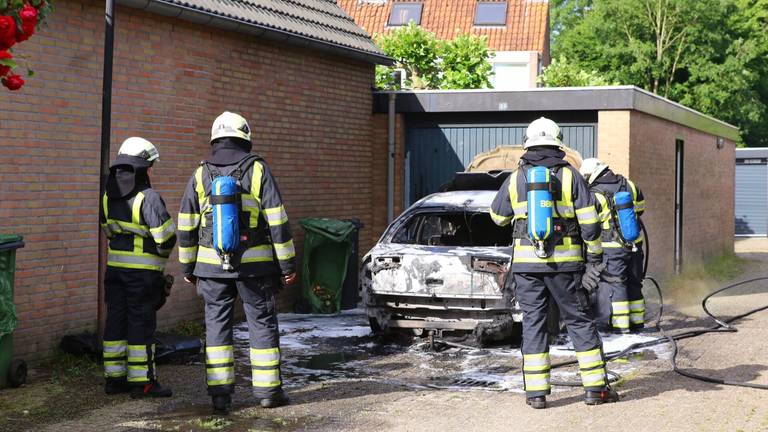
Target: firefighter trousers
(620, 304)
(258, 295)
(534, 292)
(132, 297)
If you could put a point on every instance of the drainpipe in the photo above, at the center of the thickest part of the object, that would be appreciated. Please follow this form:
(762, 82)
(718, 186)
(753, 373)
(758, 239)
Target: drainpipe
(391, 159)
(106, 124)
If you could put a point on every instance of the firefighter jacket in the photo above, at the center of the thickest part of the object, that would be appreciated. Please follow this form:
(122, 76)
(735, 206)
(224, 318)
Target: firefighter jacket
(266, 246)
(576, 221)
(141, 233)
(604, 188)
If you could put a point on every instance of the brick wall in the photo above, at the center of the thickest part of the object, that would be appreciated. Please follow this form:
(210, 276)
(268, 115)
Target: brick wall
(310, 114)
(379, 173)
(643, 147)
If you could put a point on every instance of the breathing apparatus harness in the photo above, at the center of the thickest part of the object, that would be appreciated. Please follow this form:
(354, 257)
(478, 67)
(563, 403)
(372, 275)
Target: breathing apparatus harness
(227, 228)
(624, 222)
(543, 226)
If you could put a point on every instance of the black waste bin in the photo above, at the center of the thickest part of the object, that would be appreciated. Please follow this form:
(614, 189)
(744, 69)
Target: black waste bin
(350, 291)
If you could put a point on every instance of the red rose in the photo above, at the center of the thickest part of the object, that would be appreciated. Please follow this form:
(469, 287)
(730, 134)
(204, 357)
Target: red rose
(27, 31)
(13, 82)
(28, 17)
(4, 55)
(7, 32)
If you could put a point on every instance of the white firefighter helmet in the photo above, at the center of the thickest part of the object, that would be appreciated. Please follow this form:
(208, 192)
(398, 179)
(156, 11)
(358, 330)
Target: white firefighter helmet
(139, 147)
(591, 169)
(543, 132)
(229, 124)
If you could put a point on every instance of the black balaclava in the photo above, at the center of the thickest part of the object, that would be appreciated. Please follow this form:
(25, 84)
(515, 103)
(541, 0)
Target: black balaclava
(127, 175)
(607, 177)
(549, 157)
(229, 150)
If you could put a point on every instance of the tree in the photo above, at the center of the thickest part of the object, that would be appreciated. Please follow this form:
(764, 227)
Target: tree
(707, 54)
(431, 63)
(465, 63)
(564, 73)
(416, 50)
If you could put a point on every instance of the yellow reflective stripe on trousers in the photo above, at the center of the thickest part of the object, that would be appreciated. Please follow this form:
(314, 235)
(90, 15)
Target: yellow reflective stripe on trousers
(187, 254)
(138, 373)
(111, 348)
(593, 378)
(115, 369)
(285, 250)
(590, 359)
(137, 353)
(536, 362)
(567, 252)
(620, 321)
(266, 378)
(500, 220)
(265, 357)
(620, 307)
(219, 355)
(536, 381)
(637, 306)
(220, 375)
(188, 221)
(275, 216)
(164, 232)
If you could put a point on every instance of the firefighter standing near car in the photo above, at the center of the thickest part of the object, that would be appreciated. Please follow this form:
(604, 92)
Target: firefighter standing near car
(554, 219)
(141, 235)
(235, 240)
(620, 304)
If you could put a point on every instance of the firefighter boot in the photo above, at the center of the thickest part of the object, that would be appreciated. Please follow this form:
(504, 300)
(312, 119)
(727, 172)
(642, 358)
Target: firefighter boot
(276, 400)
(221, 403)
(606, 395)
(116, 386)
(537, 402)
(153, 389)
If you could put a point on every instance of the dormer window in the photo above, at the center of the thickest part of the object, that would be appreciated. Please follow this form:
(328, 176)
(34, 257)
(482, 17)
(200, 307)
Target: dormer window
(403, 13)
(491, 13)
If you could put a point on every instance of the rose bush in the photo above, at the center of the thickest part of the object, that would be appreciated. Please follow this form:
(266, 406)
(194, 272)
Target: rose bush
(19, 19)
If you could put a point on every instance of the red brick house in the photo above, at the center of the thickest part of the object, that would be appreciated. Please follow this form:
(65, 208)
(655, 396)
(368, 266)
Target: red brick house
(517, 30)
(300, 71)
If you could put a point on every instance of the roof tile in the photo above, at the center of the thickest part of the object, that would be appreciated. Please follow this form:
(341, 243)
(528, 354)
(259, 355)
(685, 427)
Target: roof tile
(526, 29)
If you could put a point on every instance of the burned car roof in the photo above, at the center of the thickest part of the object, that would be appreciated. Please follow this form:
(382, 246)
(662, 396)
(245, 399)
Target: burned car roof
(480, 200)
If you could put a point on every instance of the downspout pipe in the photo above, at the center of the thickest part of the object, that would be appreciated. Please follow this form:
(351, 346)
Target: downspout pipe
(391, 158)
(106, 125)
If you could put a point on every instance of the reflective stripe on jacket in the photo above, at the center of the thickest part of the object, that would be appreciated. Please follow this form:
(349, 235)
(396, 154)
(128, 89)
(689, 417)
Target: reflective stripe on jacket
(272, 251)
(572, 201)
(141, 233)
(600, 191)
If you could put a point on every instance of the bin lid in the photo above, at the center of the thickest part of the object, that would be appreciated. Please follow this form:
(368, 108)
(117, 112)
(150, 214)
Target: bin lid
(334, 229)
(11, 241)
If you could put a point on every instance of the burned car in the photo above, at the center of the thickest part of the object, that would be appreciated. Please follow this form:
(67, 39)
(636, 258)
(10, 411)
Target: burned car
(443, 264)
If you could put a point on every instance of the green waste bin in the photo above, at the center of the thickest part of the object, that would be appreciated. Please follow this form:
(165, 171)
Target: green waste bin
(327, 247)
(12, 372)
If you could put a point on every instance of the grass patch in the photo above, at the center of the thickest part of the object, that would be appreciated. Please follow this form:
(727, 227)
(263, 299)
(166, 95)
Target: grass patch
(64, 366)
(190, 328)
(215, 423)
(699, 279)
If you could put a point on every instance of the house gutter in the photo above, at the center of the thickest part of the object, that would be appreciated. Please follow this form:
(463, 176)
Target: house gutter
(211, 19)
(391, 158)
(106, 126)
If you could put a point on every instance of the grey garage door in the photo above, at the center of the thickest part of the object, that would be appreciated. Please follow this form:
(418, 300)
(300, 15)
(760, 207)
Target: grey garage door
(435, 154)
(752, 199)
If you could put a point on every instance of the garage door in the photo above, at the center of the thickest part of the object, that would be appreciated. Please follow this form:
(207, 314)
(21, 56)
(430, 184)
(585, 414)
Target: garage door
(435, 154)
(752, 199)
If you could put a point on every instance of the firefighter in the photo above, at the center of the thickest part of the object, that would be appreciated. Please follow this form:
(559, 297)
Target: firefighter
(620, 305)
(551, 269)
(264, 259)
(141, 236)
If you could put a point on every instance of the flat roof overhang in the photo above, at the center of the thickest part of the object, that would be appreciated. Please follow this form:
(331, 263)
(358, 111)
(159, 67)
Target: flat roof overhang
(555, 99)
